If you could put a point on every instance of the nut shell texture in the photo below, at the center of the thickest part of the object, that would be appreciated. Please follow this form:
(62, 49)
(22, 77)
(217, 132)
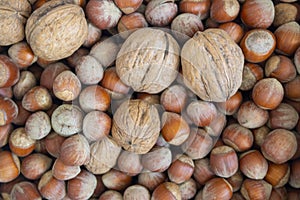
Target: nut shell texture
(136, 126)
(212, 65)
(56, 30)
(148, 60)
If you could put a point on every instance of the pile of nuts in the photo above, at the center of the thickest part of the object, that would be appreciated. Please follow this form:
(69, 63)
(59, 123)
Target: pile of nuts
(153, 99)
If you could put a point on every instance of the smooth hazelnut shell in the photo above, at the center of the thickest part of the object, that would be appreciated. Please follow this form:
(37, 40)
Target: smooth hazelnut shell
(294, 179)
(224, 161)
(201, 113)
(166, 190)
(175, 129)
(53, 142)
(116, 180)
(224, 10)
(136, 192)
(64, 172)
(130, 163)
(37, 98)
(20, 143)
(181, 169)
(128, 7)
(8, 110)
(284, 13)
(25, 191)
(251, 74)
(174, 98)
(151, 179)
(202, 171)
(236, 181)
(5, 131)
(9, 167)
(268, 93)
(22, 54)
(278, 174)
(217, 188)
(279, 146)
(234, 30)
(111, 195)
(253, 164)
(291, 89)
(9, 72)
(256, 189)
(199, 7)
(257, 13)
(158, 159)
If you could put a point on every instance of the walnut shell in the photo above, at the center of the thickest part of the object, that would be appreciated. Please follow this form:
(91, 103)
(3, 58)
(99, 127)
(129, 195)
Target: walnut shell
(13, 15)
(212, 65)
(136, 126)
(56, 30)
(148, 60)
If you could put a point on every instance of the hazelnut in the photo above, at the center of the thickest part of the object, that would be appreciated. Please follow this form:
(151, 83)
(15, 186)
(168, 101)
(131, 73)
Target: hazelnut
(35, 165)
(8, 110)
(224, 10)
(232, 105)
(279, 193)
(258, 44)
(287, 38)
(160, 12)
(187, 24)
(202, 171)
(290, 89)
(25, 83)
(22, 55)
(234, 30)
(53, 142)
(264, 13)
(238, 137)
(224, 161)
(181, 169)
(94, 35)
(128, 7)
(294, 179)
(217, 188)
(5, 132)
(198, 144)
(9, 166)
(63, 172)
(6, 92)
(284, 13)
(268, 93)
(111, 195)
(297, 60)
(158, 159)
(20, 143)
(253, 164)
(251, 74)
(128, 23)
(74, 58)
(94, 97)
(236, 181)
(217, 125)
(130, 163)
(199, 7)
(175, 129)
(25, 190)
(66, 86)
(88, 70)
(103, 14)
(116, 180)
(201, 113)
(75, 150)
(279, 146)
(174, 98)
(82, 186)
(38, 125)
(37, 98)
(283, 116)
(136, 192)
(50, 187)
(9, 72)
(278, 174)
(188, 189)
(256, 189)
(260, 134)
(251, 116)
(281, 68)
(67, 119)
(166, 190)
(103, 155)
(22, 115)
(151, 179)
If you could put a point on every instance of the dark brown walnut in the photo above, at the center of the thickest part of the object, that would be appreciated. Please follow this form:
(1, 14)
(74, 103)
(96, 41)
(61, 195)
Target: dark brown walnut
(212, 65)
(56, 30)
(148, 60)
(136, 126)
(13, 16)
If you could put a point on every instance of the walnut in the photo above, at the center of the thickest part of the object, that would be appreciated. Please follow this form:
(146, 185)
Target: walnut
(136, 126)
(212, 65)
(56, 30)
(13, 16)
(148, 60)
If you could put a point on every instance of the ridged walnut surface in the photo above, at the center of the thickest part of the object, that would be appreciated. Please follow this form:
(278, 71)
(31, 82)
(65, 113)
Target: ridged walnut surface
(212, 65)
(148, 60)
(136, 126)
(13, 15)
(56, 30)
